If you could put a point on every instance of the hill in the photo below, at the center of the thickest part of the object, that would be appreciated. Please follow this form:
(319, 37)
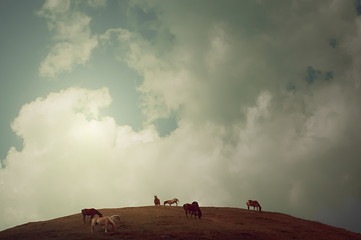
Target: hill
(170, 223)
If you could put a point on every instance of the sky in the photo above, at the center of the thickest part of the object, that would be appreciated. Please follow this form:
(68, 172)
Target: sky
(105, 103)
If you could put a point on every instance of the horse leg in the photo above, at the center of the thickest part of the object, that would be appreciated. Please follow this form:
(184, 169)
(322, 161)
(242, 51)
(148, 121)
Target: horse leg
(192, 212)
(112, 223)
(84, 218)
(92, 228)
(106, 227)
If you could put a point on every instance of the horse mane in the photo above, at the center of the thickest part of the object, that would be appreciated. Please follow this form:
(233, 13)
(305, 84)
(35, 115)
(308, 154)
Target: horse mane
(97, 212)
(114, 217)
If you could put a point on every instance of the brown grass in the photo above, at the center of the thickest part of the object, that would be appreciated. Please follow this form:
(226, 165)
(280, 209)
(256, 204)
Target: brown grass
(170, 222)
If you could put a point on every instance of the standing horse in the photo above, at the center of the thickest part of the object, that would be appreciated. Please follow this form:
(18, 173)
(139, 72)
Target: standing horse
(193, 209)
(90, 212)
(170, 202)
(156, 200)
(103, 221)
(254, 204)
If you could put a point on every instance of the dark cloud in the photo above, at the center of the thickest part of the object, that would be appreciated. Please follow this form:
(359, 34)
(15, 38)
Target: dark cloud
(312, 75)
(333, 42)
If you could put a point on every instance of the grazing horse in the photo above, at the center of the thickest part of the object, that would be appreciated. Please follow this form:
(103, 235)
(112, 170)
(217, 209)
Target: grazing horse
(254, 204)
(115, 217)
(90, 212)
(156, 200)
(103, 221)
(193, 209)
(170, 202)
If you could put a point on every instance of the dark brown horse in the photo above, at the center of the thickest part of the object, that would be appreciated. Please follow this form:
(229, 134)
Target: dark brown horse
(90, 212)
(193, 209)
(156, 200)
(253, 203)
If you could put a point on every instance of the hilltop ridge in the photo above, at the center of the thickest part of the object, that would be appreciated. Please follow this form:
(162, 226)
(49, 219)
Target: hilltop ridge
(170, 222)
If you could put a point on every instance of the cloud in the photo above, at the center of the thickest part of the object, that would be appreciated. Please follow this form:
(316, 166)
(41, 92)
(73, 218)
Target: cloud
(230, 68)
(74, 42)
(71, 154)
(249, 125)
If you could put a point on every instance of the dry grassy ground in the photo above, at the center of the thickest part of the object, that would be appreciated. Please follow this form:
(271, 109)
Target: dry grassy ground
(168, 223)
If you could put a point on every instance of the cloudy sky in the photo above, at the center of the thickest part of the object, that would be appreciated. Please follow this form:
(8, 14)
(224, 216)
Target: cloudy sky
(106, 103)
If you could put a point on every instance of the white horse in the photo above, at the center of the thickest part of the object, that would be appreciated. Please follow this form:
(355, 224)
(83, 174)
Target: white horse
(103, 221)
(115, 217)
(170, 202)
(254, 204)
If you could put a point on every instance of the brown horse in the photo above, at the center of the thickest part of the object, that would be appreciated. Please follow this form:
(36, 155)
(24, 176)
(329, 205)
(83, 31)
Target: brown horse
(90, 212)
(156, 200)
(170, 202)
(254, 204)
(193, 209)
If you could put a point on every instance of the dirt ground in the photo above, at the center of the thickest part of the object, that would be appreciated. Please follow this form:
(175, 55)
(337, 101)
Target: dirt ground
(170, 222)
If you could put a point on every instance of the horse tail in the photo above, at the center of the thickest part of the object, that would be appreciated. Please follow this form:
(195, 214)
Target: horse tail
(83, 212)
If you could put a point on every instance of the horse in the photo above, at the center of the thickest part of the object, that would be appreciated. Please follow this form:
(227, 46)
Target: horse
(90, 212)
(170, 202)
(193, 209)
(103, 221)
(156, 200)
(254, 204)
(115, 217)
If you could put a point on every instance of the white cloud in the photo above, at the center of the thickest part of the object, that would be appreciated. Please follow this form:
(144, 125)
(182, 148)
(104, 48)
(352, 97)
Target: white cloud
(242, 133)
(71, 153)
(231, 66)
(74, 41)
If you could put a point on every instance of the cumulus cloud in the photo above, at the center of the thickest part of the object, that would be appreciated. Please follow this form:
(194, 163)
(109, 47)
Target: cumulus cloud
(74, 41)
(259, 115)
(265, 78)
(71, 154)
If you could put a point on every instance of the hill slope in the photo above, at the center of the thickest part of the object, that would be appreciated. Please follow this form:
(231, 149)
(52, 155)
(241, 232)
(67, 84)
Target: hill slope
(165, 222)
